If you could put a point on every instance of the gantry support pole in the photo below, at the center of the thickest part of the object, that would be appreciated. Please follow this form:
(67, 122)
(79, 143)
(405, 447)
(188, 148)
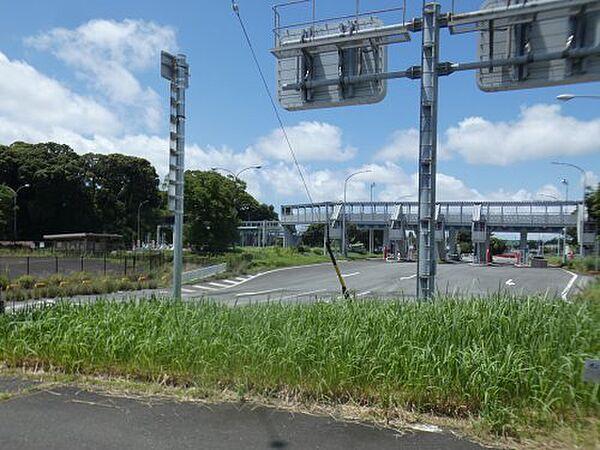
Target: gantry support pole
(426, 268)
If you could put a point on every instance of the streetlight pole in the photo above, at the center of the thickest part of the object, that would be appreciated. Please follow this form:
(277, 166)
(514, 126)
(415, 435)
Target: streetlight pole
(372, 187)
(344, 249)
(139, 222)
(581, 213)
(564, 236)
(15, 197)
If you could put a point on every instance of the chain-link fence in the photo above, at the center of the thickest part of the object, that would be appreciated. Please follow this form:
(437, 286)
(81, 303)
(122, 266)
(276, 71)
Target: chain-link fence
(16, 266)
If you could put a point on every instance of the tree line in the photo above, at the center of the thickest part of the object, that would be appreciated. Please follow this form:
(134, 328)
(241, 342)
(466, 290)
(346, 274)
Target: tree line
(68, 192)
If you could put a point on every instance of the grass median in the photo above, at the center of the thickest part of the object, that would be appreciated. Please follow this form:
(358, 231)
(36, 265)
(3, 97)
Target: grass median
(510, 364)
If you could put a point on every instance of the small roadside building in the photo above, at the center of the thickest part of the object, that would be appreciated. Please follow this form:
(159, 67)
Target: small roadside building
(84, 242)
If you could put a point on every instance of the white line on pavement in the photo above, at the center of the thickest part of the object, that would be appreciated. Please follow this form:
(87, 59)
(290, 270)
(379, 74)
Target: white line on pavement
(251, 294)
(219, 285)
(348, 275)
(362, 294)
(233, 283)
(241, 279)
(565, 292)
(187, 291)
(408, 278)
(197, 286)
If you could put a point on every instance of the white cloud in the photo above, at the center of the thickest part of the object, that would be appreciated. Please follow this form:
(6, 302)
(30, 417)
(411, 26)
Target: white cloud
(107, 53)
(34, 105)
(311, 141)
(540, 131)
(404, 145)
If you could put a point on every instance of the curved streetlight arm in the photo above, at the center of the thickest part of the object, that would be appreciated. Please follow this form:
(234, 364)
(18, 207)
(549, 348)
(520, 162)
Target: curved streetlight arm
(216, 169)
(247, 168)
(568, 97)
(554, 197)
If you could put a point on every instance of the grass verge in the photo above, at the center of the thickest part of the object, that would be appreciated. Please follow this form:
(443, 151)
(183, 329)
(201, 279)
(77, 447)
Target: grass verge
(511, 365)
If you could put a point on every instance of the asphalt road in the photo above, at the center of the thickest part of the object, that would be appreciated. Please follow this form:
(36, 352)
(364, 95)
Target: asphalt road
(382, 280)
(365, 279)
(69, 418)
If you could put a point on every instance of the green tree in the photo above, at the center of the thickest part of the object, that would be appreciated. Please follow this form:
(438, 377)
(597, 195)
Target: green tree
(211, 216)
(314, 235)
(118, 184)
(58, 199)
(592, 200)
(5, 211)
(497, 246)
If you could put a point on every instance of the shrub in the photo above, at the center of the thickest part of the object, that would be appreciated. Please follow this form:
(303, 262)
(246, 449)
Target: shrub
(26, 281)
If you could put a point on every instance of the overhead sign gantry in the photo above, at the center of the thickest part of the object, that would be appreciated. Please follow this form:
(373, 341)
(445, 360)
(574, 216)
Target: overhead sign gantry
(343, 61)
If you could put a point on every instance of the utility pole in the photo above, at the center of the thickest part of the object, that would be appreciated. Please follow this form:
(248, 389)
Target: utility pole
(176, 70)
(426, 268)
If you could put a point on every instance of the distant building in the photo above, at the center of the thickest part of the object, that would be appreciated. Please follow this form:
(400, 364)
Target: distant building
(85, 242)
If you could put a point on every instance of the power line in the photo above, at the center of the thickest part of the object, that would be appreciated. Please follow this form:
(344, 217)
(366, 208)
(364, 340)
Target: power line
(236, 10)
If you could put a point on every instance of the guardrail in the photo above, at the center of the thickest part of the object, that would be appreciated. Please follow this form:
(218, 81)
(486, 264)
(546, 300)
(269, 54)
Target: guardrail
(203, 273)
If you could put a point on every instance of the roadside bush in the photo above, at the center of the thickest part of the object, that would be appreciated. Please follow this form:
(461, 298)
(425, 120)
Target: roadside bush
(4, 281)
(26, 281)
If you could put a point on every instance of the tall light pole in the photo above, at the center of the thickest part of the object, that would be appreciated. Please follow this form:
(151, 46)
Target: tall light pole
(564, 236)
(344, 249)
(139, 222)
(15, 197)
(372, 187)
(236, 176)
(581, 212)
(566, 184)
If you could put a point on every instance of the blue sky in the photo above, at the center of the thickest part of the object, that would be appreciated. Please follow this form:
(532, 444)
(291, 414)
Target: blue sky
(86, 73)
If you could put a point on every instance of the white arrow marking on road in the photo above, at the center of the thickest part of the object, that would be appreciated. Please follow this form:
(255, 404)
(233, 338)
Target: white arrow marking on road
(348, 275)
(510, 282)
(565, 293)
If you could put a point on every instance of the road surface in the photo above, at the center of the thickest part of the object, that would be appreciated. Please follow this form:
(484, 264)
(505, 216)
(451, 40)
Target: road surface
(66, 417)
(382, 280)
(365, 279)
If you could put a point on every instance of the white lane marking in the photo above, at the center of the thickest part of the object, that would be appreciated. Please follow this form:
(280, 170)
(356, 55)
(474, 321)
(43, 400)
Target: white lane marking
(510, 282)
(197, 286)
(233, 283)
(187, 291)
(219, 285)
(348, 275)
(241, 278)
(252, 294)
(362, 294)
(303, 294)
(408, 278)
(565, 293)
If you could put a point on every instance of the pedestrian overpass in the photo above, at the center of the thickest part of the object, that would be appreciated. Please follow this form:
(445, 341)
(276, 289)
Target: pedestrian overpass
(396, 219)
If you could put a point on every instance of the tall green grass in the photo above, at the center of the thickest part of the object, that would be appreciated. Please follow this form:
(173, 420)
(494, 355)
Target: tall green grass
(512, 362)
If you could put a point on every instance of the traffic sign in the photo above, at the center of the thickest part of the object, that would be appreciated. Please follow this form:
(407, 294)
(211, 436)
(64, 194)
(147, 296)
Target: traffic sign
(333, 52)
(548, 47)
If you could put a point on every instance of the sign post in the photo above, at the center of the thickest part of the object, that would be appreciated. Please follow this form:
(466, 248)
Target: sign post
(428, 150)
(176, 70)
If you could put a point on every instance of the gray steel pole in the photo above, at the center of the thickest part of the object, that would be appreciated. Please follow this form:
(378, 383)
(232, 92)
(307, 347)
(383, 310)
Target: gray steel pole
(581, 212)
(180, 84)
(344, 251)
(426, 266)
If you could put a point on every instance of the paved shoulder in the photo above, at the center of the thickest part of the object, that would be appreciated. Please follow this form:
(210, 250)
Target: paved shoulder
(67, 419)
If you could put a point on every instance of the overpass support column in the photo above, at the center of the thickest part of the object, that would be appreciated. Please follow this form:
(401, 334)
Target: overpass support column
(452, 240)
(371, 240)
(386, 238)
(523, 240)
